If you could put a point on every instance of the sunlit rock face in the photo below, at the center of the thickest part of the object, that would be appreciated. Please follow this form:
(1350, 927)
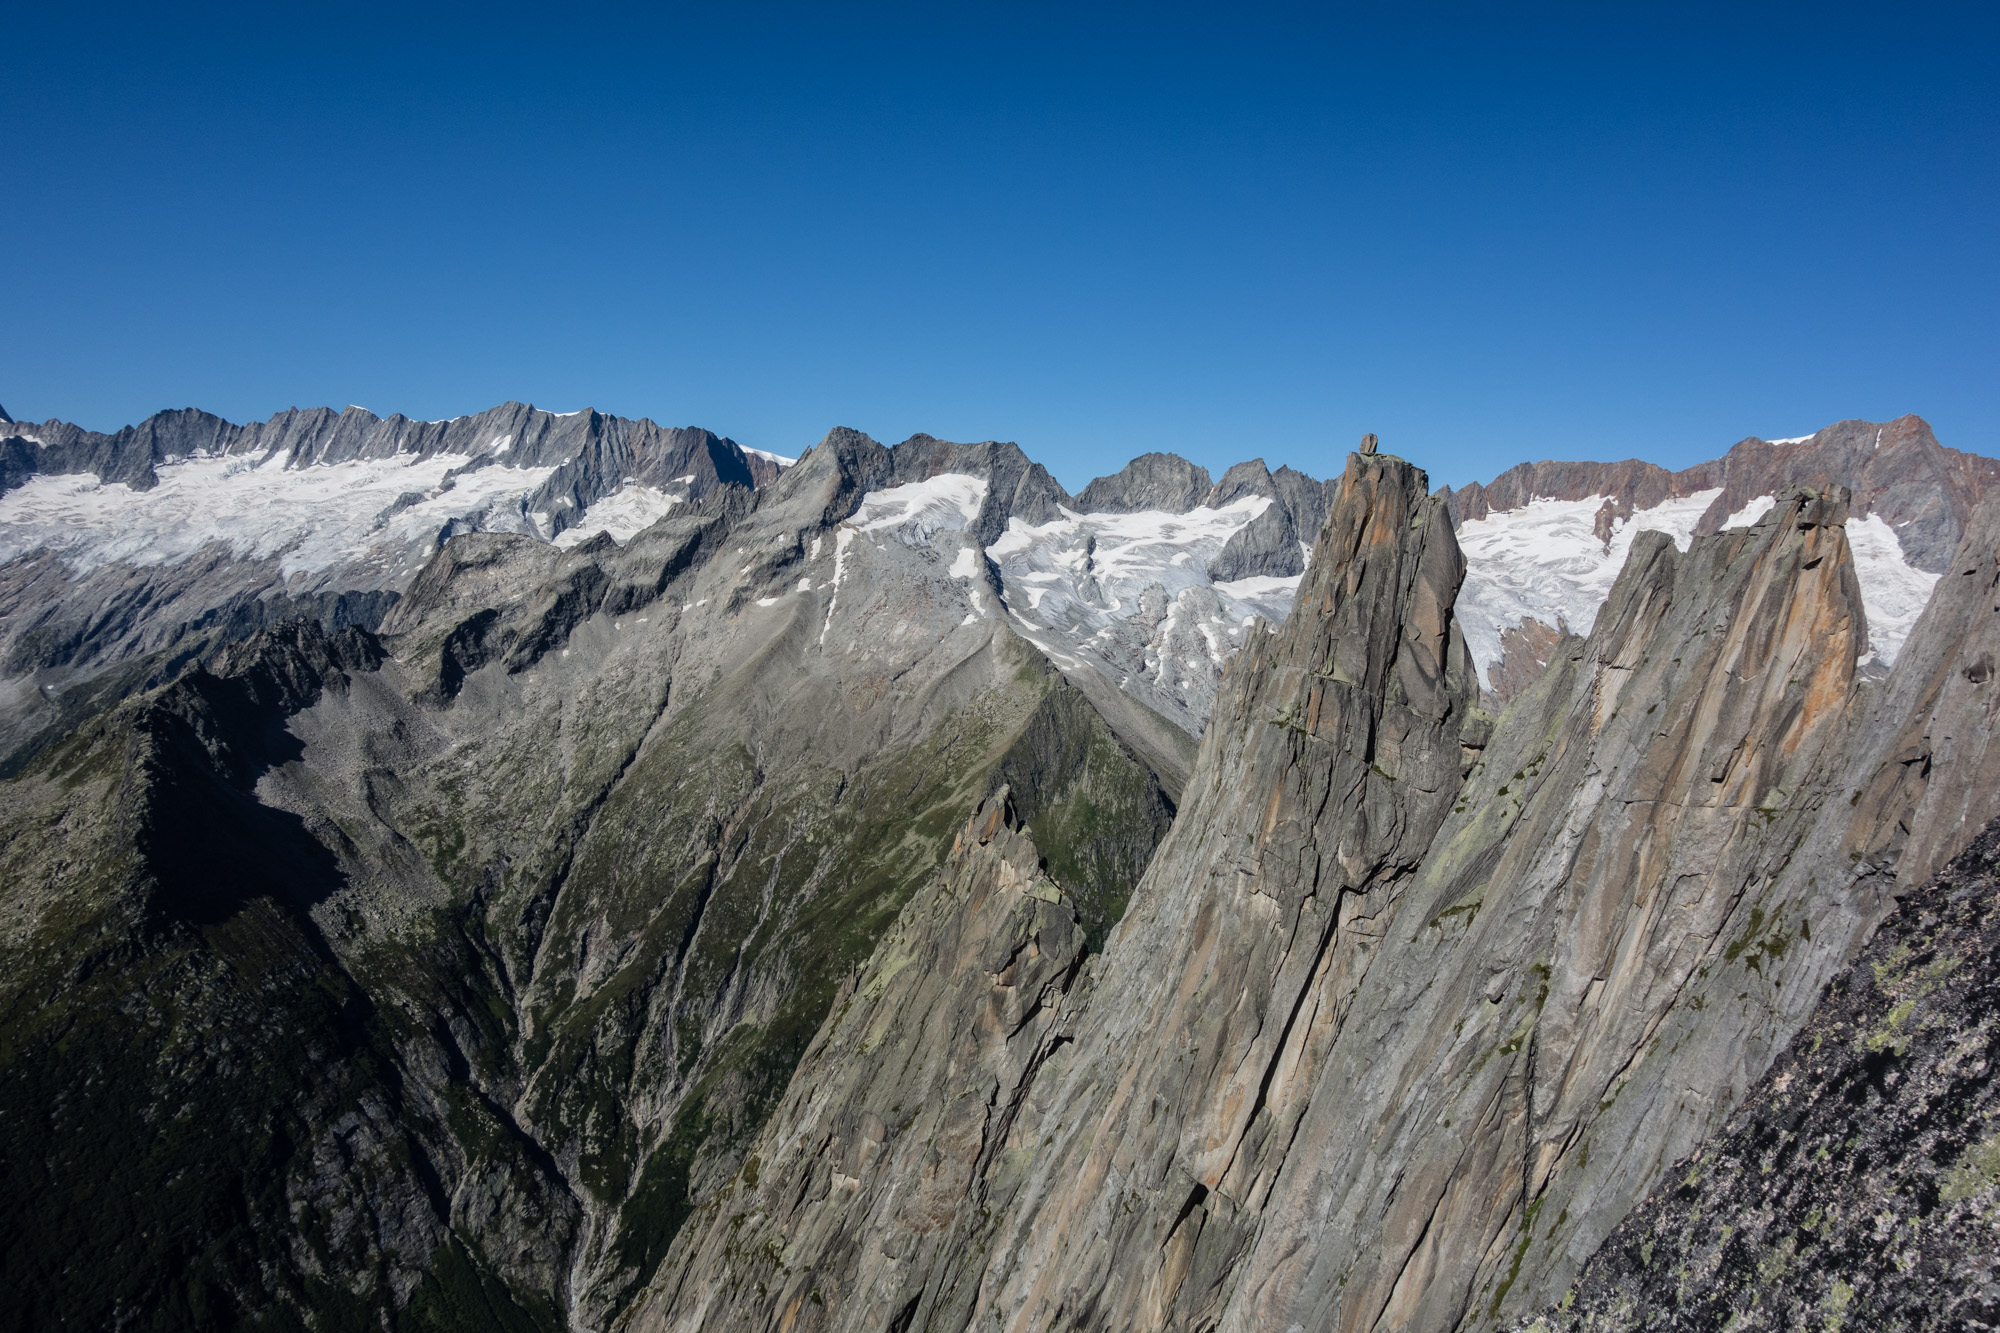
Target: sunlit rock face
(1412, 1009)
(803, 904)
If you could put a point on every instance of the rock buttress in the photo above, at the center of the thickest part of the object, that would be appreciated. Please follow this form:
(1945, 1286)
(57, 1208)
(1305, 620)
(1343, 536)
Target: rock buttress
(896, 1125)
(1335, 752)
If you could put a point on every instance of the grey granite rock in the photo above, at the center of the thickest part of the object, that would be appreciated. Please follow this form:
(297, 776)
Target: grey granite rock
(1897, 469)
(1856, 1187)
(536, 905)
(1150, 481)
(1251, 478)
(1267, 545)
(1336, 751)
(904, 1124)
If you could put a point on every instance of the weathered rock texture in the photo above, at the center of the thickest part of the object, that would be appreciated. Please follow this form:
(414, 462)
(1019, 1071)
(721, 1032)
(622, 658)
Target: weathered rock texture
(1519, 1054)
(1378, 1050)
(1858, 1187)
(1897, 469)
(505, 966)
(1335, 752)
(895, 1132)
(1150, 481)
(1127, 1187)
(593, 452)
(1894, 1067)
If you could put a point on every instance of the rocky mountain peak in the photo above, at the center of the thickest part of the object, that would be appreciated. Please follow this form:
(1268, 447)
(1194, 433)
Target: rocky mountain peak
(1247, 478)
(680, 901)
(1151, 481)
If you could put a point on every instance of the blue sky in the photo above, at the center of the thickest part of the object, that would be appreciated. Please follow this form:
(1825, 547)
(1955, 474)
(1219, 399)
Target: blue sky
(1487, 233)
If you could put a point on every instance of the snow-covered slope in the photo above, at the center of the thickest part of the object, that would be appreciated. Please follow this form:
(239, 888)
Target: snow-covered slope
(1545, 563)
(1544, 541)
(386, 512)
(1130, 595)
(1125, 595)
(124, 556)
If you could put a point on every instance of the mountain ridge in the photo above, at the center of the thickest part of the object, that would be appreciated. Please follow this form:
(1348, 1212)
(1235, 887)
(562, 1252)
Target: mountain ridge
(489, 954)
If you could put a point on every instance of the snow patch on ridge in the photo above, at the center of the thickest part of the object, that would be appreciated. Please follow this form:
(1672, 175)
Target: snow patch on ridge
(625, 513)
(949, 501)
(1545, 562)
(1893, 592)
(1747, 516)
(312, 517)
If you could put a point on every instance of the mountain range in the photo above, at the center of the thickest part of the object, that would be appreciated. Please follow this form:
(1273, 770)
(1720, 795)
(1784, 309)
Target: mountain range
(538, 871)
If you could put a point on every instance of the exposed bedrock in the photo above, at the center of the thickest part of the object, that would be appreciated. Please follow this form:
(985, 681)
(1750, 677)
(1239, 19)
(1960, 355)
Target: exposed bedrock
(1336, 752)
(896, 1135)
(434, 979)
(1411, 1009)
(1858, 1187)
(1561, 1003)
(1856, 1184)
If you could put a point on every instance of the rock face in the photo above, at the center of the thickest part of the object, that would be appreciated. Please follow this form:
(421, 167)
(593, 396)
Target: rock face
(1334, 754)
(1165, 482)
(1854, 1132)
(1897, 469)
(1126, 1188)
(895, 1134)
(438, 975)
(1378, 1048)
(1519, 1052)
(593, 934)
(124, 557)
(590, 451)
(1858, 1186)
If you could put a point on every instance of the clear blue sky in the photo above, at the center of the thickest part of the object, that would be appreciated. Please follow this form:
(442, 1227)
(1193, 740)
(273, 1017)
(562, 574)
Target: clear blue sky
(1488, 234)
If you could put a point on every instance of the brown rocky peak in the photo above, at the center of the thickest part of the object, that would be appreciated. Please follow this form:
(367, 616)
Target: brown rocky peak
(1333, 756)
(1368, 444)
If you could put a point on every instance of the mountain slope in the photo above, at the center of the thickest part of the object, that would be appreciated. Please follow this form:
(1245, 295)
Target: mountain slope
(1162, 1079)
(529, 907)
(124, 557)
(1376, 1049)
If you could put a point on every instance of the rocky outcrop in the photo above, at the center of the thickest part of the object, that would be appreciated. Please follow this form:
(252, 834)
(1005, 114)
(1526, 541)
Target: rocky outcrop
(1267, 545)
(83, 626)
(1858, 1186)
(900, 1130)
(1525, 653)
(1521, 1051)
(1334, 754)
(1127, 1187)
(1905, 1092)
(1925, 764)
(592, 453)
(1377, 1050)
(1543, 541)
(591, 944)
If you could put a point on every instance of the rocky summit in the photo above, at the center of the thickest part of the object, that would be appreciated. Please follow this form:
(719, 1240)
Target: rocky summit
(541, 871)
